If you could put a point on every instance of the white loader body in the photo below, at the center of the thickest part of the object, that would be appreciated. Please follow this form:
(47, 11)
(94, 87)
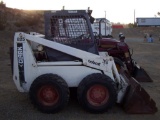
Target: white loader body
(27, 69)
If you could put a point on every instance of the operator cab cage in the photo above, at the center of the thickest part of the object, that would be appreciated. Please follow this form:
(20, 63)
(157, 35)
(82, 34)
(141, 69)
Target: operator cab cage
(70, 27)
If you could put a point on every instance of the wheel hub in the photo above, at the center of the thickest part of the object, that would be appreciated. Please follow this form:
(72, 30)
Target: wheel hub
(97, 95)
(48, 95)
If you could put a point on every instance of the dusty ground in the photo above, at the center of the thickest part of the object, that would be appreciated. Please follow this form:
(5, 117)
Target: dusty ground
(17, 106)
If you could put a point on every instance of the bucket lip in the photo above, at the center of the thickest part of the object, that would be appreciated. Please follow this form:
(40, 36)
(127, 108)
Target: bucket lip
(141, 75)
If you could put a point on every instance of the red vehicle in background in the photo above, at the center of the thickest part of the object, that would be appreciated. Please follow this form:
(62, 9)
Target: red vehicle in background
(122, 54)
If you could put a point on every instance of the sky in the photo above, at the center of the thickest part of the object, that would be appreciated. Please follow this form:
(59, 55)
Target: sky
(116, 10)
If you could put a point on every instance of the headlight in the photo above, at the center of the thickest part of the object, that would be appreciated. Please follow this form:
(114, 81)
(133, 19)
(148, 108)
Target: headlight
(39, 47)
(126, 54)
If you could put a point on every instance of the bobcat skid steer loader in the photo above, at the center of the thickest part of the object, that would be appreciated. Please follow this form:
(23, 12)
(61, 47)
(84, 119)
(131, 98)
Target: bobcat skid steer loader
(46, 66)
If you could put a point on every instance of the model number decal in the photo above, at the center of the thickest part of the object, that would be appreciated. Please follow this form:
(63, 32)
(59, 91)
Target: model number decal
(20, 58)
(20, 55)
(93, 62)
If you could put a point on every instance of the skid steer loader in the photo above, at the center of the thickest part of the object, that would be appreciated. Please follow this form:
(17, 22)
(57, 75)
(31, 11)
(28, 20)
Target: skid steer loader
(46, 66)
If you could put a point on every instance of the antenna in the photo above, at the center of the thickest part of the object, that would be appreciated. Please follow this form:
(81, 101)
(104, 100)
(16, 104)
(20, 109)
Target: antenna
(134, 16)
(63, 7)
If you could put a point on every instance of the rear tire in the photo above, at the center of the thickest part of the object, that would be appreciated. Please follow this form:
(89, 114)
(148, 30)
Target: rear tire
(49, 93)
(97, 93)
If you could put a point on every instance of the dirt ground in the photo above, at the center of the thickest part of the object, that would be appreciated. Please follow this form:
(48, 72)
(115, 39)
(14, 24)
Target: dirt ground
(17, 106)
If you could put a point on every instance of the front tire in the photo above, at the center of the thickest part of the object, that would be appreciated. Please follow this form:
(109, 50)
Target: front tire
(97, 93)
(49, 93)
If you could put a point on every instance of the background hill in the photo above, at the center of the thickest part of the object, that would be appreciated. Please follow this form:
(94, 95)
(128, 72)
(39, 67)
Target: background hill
(20, 20)
(13, 20)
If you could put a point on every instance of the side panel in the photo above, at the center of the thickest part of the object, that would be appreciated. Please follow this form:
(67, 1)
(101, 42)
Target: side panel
(71, 74)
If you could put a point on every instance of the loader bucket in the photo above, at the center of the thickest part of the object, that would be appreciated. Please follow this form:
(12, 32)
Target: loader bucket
(141, 75)
(136, 99)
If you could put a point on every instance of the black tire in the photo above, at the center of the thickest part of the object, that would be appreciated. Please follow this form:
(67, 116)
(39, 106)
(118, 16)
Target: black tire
(118, 63)
(49, 93)
(93, 85)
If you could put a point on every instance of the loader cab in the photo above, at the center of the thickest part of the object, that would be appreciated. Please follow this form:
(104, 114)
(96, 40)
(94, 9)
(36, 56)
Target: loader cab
(70, 27)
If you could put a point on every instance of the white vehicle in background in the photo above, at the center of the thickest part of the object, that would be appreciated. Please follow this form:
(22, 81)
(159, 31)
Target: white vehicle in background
(103, 24)
(148, 21)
